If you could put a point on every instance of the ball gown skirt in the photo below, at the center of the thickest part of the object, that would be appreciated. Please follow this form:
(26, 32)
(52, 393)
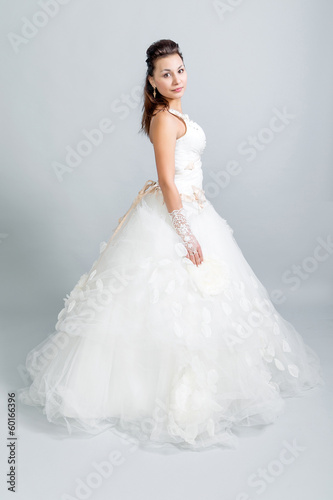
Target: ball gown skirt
(153, 347)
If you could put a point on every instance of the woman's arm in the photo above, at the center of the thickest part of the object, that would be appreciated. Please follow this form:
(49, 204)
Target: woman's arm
(163, 134)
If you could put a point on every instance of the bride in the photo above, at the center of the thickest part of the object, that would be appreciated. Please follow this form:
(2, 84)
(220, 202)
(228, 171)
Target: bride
(170, 337)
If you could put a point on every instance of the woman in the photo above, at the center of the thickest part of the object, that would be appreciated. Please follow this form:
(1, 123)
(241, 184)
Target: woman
(170, 337)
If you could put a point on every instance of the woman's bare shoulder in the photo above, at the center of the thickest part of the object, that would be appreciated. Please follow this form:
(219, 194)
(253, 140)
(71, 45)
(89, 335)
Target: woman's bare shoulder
(161, 120)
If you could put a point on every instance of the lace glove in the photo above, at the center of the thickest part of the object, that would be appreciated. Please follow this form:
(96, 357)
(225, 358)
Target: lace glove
(183, 229)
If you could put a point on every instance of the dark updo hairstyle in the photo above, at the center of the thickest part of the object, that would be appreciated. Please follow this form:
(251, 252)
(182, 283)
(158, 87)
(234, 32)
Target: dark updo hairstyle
(161, 48)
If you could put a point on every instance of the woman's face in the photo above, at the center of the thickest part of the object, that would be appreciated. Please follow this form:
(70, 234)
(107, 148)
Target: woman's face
(170, 76)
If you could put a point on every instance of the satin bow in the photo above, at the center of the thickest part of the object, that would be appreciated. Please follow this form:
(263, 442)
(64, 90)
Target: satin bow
(198, 196)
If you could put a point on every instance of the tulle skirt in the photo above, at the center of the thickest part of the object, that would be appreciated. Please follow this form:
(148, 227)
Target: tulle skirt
(155, 348)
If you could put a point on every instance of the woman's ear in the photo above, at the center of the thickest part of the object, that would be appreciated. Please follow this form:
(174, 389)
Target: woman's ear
(151, 81)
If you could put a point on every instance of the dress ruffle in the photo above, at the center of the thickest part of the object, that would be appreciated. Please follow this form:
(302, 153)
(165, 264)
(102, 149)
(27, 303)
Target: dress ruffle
(151, 346)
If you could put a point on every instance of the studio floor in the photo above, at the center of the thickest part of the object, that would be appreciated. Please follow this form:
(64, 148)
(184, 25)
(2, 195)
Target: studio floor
(291, 459)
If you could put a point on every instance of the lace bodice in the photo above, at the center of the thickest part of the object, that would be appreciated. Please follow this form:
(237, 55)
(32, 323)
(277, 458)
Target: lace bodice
(188, 171)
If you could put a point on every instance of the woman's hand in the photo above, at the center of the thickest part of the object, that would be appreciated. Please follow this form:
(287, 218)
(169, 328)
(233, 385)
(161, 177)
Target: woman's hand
(195, 254)
(182, 227)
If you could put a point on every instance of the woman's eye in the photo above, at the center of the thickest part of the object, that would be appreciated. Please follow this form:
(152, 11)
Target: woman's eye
(179, 71)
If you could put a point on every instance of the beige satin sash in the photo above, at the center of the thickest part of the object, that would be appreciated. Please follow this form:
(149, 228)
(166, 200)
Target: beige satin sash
(149, 187)
(197, 196)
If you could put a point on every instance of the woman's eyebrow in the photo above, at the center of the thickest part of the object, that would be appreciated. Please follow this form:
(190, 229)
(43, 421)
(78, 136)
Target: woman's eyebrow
(170, 69)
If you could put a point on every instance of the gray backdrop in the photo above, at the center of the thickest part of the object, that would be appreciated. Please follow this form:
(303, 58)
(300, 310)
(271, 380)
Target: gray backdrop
(260, 81)
(84, 68)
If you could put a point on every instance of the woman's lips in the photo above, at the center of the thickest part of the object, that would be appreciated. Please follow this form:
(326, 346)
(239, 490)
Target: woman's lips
(178, 90)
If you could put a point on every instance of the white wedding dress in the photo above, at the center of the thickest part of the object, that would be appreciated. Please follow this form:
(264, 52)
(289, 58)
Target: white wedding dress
(153, 347)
